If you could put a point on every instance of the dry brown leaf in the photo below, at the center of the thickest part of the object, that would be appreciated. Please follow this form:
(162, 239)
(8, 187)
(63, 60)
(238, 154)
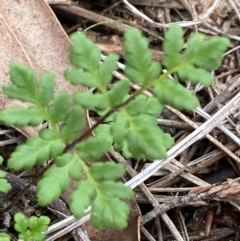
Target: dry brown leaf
(228, 191)
(197, 203)
(110, 48)
(223, 9)
(30, 33)
(209, 220)
(59, 2)
(196, 190)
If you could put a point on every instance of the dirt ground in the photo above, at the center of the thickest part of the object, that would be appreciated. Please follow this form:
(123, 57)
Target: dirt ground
(196, 195)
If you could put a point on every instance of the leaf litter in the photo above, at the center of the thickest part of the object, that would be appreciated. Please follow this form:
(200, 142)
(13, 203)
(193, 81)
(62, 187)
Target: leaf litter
(208, 156)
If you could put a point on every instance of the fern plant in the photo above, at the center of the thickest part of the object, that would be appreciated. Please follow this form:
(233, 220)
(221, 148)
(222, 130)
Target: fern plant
(127, 120)
(32, 228)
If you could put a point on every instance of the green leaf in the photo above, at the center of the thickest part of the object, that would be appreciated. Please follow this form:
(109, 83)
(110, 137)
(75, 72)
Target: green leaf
(109, 213)
(153, 107)
(90, 101)
(119, 127)
(24, 78)
(170, 92)
(46, 89)
(20, 116)
(75, 122)
(25, 236)
(54, 182)
(32, 228)
(145, 137)
(33, 222)
(78, 77)
(103, 131)
(38, 237)
(59, 108)
(172, 46)
(107, 67)
(116, 189)
(84, 53)
(2, 174)
(43, 222)
(81, 198)
(1, 160)
(4, 237)
(63, 159)
(137, 106)
(75, 171)
(106, 170)
(34, 151)
(123, 147)
(119, 92)
(13, 92)
(196, 75)
(5, 186)
(206, 53)
(21, 222)
(39, 224)
(138, 58)
(92, 148)
(47, 134)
